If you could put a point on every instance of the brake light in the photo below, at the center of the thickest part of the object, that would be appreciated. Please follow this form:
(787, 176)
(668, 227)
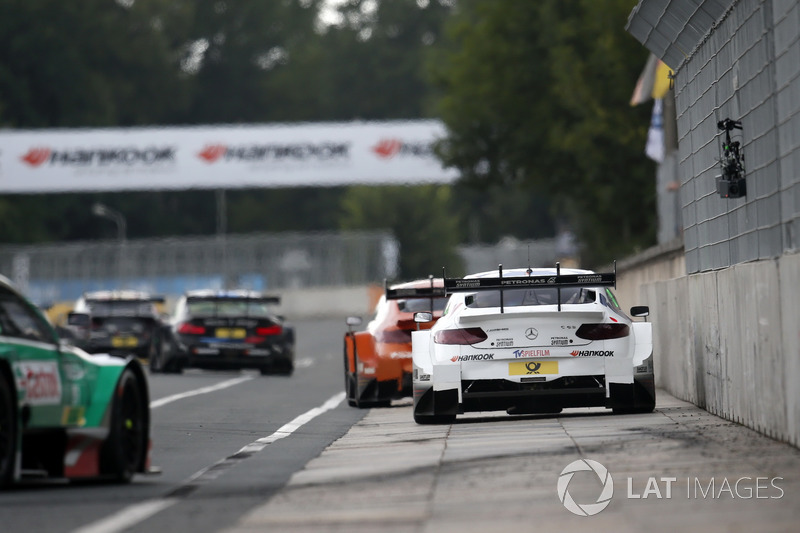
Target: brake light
(188, 328)
(395, 336)
(266, 331)
(598, 332)
(460, 336)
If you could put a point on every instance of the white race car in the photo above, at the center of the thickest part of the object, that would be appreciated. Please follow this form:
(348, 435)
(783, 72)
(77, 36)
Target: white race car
(532, 341)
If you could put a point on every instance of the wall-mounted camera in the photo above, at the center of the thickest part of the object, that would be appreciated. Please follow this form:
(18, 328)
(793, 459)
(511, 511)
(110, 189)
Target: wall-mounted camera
(731, 183)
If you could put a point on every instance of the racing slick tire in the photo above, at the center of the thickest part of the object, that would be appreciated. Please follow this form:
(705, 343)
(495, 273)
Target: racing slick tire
(8, 433)
(349, 392)
(155, 361)
(152, 349)
(126, 447)
(173, 366)
(350, 388)
(171, 361)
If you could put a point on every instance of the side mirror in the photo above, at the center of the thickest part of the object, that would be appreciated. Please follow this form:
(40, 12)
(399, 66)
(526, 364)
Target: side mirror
(422, 317)
(353, 321)
(78, 319)
(640, 310)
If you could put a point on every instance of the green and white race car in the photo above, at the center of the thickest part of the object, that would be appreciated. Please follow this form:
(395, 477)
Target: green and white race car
(65, 413)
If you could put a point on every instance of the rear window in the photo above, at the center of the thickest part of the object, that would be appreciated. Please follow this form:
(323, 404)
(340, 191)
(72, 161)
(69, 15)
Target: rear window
(232, 308)
(122, 308)
(416, 305)
(525, 297)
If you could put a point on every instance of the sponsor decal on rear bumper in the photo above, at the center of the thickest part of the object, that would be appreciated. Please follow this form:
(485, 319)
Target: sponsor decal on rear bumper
(521, 368)
(531, 353)
(592, 353)
(473, 357)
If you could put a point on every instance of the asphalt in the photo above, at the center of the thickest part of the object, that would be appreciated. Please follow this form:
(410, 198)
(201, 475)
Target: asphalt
(494, 472)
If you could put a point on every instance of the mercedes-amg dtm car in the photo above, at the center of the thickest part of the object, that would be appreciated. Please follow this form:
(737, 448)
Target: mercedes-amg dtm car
(65, 413)
(117, 322)
(377, 361)
(532, 341)
(227, 330)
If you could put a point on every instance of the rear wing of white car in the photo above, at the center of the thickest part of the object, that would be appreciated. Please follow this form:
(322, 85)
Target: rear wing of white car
(557, 281)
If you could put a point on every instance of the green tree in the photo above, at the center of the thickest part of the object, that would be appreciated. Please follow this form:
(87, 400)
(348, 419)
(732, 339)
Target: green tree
(252, 61)
(373, 66)
(90, 63)
(537, 92)
(419, 217)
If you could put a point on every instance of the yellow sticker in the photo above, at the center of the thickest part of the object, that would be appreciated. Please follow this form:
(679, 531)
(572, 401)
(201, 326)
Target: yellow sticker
(73, 416)
(123, 342)
(530, 368)
(231, 333)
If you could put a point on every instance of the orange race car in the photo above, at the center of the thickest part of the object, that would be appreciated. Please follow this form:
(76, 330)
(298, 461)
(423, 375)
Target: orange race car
(377, 362)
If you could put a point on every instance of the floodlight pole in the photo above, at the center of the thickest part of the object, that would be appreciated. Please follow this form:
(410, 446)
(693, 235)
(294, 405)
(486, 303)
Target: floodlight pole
(118, 218)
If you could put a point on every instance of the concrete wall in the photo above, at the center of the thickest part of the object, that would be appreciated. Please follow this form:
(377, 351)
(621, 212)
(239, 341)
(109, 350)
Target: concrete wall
(666, 261)
(728, 340)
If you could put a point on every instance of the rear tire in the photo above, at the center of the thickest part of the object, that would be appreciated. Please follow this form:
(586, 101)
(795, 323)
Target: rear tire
(8, 433)
(126, 447)
(350, 387)
(155, 362)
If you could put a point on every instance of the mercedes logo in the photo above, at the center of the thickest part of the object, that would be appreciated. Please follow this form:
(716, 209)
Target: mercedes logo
(531, 333)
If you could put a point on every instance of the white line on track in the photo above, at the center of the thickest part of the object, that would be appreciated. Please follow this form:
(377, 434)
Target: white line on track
(134, 514)
(204, 390)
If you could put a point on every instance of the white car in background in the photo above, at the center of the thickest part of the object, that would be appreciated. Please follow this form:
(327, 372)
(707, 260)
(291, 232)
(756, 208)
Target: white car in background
(532, 341)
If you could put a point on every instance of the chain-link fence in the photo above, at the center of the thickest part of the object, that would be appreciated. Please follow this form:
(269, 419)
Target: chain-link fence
(59, 272)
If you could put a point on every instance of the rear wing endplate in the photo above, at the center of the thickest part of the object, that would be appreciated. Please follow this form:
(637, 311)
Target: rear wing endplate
(559, 281)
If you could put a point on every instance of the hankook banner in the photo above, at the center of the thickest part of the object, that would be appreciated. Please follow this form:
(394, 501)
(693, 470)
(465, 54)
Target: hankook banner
(221, 157)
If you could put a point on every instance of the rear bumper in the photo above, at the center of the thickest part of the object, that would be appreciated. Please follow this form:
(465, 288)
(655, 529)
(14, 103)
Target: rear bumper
(139, 351)
(544, 397)
(257, 357)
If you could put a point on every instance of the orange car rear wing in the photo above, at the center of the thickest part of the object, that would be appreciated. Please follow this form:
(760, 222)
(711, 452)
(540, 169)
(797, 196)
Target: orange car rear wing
(418, 292)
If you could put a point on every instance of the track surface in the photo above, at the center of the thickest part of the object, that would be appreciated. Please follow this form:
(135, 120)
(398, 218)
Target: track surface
(242, 453)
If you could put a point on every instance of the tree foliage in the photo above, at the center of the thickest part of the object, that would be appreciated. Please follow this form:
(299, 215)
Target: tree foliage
(534, 95)
(375, 59)
(419, 217)
(537, 92)
(90, 63)
(248, 61)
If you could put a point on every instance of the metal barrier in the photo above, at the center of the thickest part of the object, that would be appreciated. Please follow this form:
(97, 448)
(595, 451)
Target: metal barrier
(59, 272)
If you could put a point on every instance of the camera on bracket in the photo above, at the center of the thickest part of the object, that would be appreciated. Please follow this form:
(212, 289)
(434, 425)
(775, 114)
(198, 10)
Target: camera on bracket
(731, 184)
(731, 187)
